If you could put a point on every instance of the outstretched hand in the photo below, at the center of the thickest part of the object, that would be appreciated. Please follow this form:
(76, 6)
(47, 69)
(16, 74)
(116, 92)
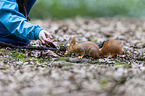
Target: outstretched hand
(45, 37)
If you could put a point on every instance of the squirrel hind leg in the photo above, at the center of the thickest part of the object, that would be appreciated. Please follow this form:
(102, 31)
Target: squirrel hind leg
(112, 55)
(120, 52)
(94, 54)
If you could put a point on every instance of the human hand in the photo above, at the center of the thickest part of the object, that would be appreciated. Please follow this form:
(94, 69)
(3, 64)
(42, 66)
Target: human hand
(45, 37)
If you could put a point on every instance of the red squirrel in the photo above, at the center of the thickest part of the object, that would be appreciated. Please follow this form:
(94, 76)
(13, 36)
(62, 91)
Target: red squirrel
(111, 48)
(86, 48)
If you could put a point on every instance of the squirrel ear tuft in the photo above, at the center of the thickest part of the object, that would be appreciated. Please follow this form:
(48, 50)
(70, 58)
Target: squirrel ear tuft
(73, 41)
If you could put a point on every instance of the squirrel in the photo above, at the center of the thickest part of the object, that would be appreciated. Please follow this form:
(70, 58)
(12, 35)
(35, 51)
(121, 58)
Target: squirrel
(86, 48)
(111, 48)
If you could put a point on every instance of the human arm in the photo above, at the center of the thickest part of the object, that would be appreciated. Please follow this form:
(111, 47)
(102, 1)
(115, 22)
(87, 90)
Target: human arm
(15, 22)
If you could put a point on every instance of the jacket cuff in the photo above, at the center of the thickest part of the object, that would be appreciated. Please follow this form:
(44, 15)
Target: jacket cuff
(37, 31)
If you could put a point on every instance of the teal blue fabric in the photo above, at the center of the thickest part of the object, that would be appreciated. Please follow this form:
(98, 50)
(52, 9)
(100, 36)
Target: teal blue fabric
(14, 24)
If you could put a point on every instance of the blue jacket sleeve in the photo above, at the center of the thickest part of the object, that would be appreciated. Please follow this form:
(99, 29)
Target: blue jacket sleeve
(16, 22)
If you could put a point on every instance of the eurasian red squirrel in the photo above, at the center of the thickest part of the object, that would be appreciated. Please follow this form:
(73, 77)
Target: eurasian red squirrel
(111, 48)
(86, 48)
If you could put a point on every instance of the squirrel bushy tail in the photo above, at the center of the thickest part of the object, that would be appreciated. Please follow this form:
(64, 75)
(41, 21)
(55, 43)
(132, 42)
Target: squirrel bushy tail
(111, 48)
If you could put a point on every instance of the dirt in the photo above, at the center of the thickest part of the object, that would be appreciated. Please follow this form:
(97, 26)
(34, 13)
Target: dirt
(26, 72)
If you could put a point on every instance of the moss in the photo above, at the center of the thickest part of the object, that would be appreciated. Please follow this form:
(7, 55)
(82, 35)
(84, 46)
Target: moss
(120, 63)
(124, 64)
(94, 40)
(104, 82)
(4, 50)
(4, 57)
(62, 58)
(67, 60)
(14, 54)
(40, 60)
(18, 55)
(95, 62)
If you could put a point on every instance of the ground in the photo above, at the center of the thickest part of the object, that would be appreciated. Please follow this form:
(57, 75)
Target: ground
(26, 72)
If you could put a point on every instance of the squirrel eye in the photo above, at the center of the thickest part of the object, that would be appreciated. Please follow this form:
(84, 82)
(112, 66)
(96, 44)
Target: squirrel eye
(67, 48)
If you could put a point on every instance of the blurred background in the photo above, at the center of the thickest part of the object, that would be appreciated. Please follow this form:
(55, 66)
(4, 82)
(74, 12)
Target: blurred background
(44, 9)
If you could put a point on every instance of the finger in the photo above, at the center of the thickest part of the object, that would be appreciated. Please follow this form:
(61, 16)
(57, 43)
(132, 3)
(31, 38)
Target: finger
(42, 41)
(42, 38)
(46, 40)
(48, 35)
